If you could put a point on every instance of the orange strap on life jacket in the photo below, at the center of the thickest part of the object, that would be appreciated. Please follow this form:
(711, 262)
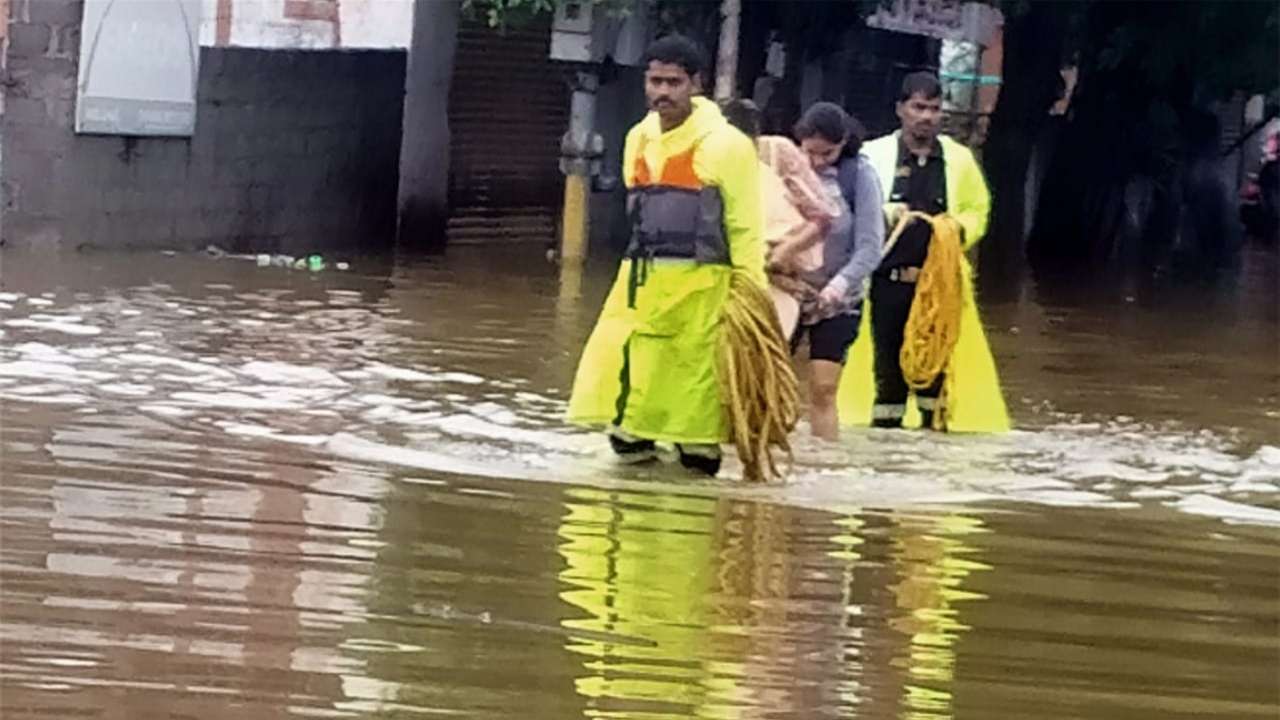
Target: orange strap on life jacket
(677, 171)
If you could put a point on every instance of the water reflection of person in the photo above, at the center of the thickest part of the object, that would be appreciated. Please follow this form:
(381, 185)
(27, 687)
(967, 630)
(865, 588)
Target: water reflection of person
(755, 609)
(932, 562)
(859, 618)
(641, 567)
(784, 602)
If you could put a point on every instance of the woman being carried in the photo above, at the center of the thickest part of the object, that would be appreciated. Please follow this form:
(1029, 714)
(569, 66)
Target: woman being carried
(798, 214)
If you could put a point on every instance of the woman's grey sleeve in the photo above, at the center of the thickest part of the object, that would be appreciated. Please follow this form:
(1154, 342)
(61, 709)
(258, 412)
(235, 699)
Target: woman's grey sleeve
(868, 229)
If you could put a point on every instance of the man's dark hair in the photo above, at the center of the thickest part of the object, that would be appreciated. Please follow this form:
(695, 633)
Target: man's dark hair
(677, 50)
(826, 120)
(921, 83)
(744, 115)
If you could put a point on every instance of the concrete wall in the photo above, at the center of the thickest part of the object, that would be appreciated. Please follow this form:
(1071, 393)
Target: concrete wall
(376, 23)
(293, 150)
(314, 24)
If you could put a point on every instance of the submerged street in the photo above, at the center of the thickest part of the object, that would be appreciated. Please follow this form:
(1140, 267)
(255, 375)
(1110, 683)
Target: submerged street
(242, 492)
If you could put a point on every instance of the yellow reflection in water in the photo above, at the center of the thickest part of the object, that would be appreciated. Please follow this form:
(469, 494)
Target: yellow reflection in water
(696, 607)
(640, 566)
(933, 565)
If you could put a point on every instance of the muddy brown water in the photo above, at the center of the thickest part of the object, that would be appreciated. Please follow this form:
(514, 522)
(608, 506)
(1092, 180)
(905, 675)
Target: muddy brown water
(241, 492)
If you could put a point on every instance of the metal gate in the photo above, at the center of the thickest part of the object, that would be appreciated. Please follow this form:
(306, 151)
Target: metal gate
(508, 107)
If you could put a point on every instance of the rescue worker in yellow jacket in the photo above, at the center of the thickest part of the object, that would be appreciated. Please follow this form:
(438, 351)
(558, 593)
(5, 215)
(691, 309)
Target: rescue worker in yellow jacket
(648, 372)
(927, 172)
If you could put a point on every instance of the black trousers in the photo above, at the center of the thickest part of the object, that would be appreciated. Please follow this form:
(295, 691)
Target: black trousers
(890, 306)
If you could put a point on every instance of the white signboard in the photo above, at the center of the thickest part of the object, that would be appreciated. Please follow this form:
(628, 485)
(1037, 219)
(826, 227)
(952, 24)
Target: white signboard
(139, 67)
(946, 19)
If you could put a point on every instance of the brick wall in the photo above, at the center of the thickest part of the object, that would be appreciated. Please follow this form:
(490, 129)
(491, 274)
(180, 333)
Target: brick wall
(293, 150)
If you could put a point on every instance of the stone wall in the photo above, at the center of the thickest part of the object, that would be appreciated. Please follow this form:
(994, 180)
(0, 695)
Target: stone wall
(293, 150)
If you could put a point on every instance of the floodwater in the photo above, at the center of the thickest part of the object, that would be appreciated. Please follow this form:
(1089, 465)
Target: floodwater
(242, 492)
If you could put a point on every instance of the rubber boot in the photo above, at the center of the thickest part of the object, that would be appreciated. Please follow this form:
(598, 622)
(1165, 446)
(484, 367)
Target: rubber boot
(705, 460)
(632, 450)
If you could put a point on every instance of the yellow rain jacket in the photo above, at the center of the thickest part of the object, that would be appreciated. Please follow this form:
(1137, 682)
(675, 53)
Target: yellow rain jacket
(649, 366)
(976, 403)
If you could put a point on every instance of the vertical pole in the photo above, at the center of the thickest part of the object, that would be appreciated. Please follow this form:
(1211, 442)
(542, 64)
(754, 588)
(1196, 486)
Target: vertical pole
(575, 221)
(568, 306)
(727, 58)
(576, 149)
(575, 225)
(423, 203)
(975, 101)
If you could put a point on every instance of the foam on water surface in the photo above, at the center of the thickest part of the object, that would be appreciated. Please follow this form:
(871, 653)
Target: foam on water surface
(60, 326)
(332, 388)
(1232, 512)
(290, 374)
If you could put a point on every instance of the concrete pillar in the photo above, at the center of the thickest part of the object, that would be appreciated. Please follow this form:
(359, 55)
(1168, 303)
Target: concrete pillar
(423, 203)
(727, 57)
(580, 150)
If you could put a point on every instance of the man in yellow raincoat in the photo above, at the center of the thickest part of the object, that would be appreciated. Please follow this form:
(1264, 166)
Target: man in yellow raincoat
(648, 372)
(931, 173)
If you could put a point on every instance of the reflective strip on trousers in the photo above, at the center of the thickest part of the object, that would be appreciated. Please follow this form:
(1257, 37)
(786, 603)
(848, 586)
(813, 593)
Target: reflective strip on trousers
(926, 403)
(888, 412)
(706, 451)
(623, 435)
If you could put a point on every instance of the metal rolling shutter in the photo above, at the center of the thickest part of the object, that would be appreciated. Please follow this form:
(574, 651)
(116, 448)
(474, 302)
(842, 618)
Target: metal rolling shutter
(508, 107)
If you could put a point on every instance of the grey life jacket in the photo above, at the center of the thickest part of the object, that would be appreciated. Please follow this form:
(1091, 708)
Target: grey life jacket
(677, 222)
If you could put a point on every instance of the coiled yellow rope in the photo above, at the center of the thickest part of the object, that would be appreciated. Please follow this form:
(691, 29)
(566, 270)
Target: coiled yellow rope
(759, 385)
(933, 325)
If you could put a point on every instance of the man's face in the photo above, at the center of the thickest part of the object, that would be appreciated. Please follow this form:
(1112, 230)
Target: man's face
(669, 90)
(921, 117)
